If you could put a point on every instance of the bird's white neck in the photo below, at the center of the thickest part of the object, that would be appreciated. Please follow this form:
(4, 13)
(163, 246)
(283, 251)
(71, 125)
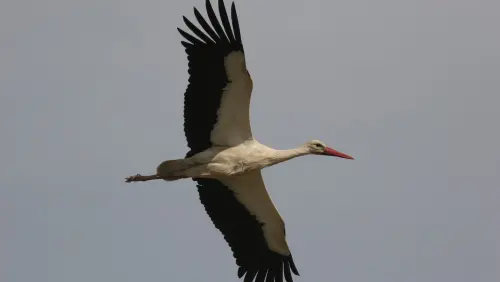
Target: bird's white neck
(280, 156)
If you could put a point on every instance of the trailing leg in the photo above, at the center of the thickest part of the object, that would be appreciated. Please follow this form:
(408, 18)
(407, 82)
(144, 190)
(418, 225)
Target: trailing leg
(138, 177)
(172, 170)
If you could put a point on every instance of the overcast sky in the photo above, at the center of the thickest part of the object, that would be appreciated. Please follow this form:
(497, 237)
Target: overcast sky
(92, 92)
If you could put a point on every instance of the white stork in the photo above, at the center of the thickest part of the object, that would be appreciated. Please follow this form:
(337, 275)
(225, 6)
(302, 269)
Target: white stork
(224, 158)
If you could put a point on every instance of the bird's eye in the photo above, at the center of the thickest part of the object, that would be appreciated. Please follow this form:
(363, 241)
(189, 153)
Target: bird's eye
(318, 145)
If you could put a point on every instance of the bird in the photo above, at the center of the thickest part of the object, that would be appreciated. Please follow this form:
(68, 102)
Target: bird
(224, 159)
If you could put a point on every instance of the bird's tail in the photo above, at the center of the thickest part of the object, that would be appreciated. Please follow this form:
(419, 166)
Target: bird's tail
(172, 169)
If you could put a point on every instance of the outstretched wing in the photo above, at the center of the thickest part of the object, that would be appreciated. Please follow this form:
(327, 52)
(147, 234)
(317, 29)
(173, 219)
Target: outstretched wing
(242, 210)
(217, 99)
(216, 112)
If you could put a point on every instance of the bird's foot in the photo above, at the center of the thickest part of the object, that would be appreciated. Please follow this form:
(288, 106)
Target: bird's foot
(138, 177)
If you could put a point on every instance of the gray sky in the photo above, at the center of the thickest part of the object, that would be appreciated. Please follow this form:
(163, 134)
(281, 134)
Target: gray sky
(91, 92)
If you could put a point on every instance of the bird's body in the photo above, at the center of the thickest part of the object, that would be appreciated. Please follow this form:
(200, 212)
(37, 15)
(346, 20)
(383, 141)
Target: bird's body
(224, 158)
(224, 161)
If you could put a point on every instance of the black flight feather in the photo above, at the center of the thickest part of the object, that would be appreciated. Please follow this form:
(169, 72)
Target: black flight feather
(215, 22)
(208, 29)
(197, 31)
(225, 21)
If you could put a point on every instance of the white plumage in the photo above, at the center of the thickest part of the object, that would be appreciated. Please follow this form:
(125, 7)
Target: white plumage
(224, 158)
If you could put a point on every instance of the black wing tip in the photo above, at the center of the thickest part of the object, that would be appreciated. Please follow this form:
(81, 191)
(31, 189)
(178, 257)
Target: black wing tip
(208, 5)
(278, 272)
(233, 9)
(183, 33)
(226, 31)
(186, 35)
(292, 265)
(241, 271)
(225, 21)
(236, 25)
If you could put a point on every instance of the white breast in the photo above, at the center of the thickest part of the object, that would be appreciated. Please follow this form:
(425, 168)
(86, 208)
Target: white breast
(247, 156)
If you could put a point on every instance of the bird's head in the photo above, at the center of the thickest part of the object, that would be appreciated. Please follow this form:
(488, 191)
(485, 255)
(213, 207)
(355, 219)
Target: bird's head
(317, 147)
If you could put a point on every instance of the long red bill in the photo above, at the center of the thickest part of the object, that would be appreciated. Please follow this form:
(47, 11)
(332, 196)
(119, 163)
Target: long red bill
(332, 152)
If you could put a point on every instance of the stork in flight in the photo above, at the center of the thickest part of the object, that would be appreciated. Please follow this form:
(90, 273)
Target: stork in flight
(224, 158)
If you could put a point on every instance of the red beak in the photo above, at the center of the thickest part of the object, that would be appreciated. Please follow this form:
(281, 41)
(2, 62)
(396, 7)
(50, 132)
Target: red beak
(332, 152)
